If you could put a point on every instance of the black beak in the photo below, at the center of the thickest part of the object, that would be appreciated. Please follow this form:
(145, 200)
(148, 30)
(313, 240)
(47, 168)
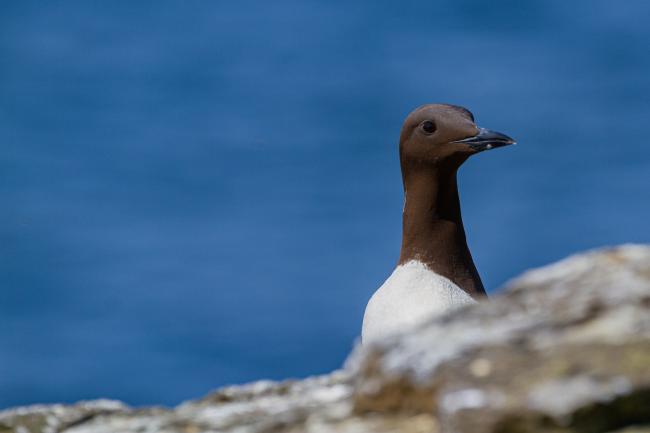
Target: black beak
(486, 140)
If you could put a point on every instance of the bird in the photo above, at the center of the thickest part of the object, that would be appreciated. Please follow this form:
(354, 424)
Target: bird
(435, 272)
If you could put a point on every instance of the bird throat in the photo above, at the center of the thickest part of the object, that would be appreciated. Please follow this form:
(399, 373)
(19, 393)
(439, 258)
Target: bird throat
(432, 226)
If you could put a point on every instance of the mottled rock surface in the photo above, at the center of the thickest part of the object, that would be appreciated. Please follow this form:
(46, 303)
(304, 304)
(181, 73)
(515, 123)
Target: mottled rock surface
(564, 348)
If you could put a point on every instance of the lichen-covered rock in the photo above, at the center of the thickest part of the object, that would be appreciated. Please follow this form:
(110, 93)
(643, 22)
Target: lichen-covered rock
(565, 348)
(55, 417)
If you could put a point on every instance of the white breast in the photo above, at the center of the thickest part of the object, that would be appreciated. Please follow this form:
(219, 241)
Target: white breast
(411, 294)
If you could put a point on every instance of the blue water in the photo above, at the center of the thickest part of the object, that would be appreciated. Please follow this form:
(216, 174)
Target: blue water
(202, 193)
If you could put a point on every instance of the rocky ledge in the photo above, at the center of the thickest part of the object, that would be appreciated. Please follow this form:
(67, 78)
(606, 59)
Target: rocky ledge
(563, 348)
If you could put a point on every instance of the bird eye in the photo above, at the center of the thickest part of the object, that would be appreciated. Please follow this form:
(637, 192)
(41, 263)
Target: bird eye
(429, 127)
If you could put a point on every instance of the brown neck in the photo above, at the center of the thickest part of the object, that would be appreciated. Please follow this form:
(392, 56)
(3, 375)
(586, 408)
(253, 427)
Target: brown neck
(432, 227)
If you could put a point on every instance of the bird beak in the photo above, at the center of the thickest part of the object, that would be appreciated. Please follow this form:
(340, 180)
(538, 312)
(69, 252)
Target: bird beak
(486, 140)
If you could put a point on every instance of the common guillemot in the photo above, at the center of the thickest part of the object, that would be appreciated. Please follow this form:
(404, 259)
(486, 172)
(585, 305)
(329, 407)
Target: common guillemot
(435, 272)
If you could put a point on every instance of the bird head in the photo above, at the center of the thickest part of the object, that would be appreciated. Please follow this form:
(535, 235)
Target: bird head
(445, 135)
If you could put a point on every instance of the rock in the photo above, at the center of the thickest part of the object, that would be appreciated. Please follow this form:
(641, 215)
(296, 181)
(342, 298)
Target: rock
(564, 348)
(55, 417)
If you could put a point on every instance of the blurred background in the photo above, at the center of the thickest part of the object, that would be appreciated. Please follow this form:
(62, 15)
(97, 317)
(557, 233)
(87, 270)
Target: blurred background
(203, 193)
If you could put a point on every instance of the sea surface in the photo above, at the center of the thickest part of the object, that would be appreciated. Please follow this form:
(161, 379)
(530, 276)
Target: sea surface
(202, 193)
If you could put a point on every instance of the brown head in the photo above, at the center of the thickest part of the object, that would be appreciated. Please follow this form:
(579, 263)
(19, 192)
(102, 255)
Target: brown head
(444, 136)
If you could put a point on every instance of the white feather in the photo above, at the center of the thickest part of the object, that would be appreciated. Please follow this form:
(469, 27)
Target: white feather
(410, 295)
